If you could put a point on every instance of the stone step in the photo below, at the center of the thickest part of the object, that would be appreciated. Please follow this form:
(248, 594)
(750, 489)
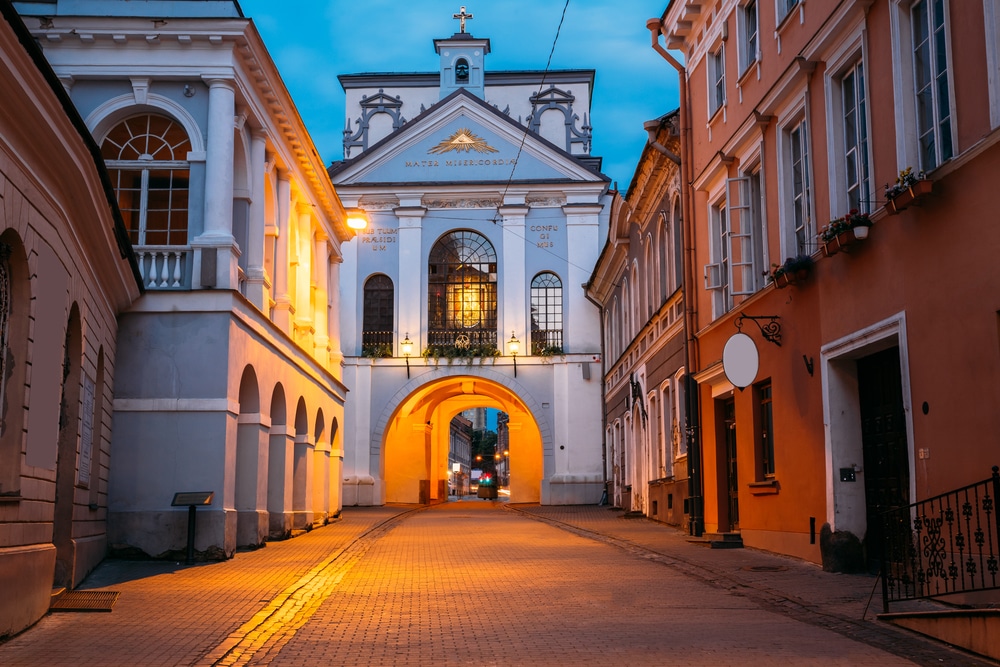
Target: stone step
(724, 540)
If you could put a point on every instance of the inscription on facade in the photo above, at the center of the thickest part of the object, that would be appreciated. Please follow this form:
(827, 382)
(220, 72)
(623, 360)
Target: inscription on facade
(543, 235)
(378, 239)
(470, 162)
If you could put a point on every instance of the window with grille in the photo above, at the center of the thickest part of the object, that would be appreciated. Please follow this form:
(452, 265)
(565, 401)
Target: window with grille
(462, 291)
(146, 157)
(377, 320)
(546, 314)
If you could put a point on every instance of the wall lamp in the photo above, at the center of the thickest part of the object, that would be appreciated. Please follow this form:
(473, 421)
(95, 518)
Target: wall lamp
(357, 218)
(407, 346)
(513, 345)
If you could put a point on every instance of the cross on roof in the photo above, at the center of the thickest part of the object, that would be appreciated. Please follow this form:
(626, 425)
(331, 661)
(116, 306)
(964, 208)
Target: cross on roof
(461, 16)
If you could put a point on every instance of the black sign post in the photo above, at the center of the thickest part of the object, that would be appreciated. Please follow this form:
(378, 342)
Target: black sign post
(192, 499)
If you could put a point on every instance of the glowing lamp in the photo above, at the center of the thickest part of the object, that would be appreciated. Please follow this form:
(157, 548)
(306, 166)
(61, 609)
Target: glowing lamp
(357, 218)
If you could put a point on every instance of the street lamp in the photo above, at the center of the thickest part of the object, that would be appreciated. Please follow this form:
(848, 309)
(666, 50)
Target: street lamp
(407, 346)
(357, 218)
(513, 345)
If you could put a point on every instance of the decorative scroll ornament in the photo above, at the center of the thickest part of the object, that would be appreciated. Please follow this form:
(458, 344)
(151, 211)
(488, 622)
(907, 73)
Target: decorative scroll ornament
(463, 141)
(771, 330)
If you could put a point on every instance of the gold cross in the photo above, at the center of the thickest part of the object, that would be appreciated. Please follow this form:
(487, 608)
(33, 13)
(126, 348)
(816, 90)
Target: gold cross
(461, 16)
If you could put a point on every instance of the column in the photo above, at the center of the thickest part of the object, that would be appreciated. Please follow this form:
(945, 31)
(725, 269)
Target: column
(321, 299)
(302, 298)
(215, 253)
(256, 290)
(333, 322)
(411, 267)
(581, 319)
(513, 317)
(282, 299)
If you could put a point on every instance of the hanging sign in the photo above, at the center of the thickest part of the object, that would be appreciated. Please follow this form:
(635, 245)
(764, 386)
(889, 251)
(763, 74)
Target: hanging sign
(740, 360)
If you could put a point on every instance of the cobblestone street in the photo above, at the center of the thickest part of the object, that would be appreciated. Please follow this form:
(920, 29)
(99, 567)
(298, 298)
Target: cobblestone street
(479, 583)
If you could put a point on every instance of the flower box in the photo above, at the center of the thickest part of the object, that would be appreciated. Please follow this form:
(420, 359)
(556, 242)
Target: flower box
(841, 241)
(909, 197)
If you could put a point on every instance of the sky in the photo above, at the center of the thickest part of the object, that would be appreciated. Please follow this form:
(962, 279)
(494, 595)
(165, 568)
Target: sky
(314, 41)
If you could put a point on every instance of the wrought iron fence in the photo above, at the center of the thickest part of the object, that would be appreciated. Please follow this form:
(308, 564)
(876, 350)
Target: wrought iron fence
(943, 545)
(376, 344)
(546, 341)
(462, 337)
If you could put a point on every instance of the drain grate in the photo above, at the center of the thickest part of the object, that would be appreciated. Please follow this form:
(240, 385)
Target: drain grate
(85, 601)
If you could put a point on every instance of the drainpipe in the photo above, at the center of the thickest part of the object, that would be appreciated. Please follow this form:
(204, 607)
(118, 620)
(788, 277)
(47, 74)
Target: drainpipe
(696, 520)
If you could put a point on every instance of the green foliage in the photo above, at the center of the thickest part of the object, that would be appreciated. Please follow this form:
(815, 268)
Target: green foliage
(376, 350)
(452, 352)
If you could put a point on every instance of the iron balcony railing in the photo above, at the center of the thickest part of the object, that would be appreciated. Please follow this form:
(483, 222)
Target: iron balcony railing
(943, 545)
(376, 344)
(475, 338)
(546, 341)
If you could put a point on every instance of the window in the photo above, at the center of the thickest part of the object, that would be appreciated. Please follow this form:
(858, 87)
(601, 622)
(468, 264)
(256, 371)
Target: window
(377, 320)
(146, 158)
(930, 73)
(678, 247)
(546, 314)
(765, 433)
(745, 251)
(747, 32)
(799, 220)
(718, 273)
(462, 291)
(852, 89)
(716, 80)
(785, 7)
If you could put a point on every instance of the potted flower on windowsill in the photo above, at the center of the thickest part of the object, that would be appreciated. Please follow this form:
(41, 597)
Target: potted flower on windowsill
(843, 232)
(793, 270)
(907, 190)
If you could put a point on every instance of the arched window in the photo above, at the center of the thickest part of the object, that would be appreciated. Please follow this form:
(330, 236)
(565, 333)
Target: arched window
(146, 158)
(546, 314)
(462, 291)
(377, 322)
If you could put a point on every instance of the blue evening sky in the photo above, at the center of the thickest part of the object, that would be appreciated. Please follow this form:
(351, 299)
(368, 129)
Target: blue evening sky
(313, 41)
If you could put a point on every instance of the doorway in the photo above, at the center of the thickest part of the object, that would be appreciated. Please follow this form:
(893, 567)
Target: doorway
(415, 462)
(883, 441)
(732, 478)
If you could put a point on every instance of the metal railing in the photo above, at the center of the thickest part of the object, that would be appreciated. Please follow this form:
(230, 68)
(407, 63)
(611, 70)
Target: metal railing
(546, 341)
(943, 545)
(376, 344)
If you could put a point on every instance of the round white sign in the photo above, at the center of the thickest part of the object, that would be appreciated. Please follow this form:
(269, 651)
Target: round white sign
(740, 360)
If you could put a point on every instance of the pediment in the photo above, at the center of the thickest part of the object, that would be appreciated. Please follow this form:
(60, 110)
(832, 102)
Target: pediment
(463, 140)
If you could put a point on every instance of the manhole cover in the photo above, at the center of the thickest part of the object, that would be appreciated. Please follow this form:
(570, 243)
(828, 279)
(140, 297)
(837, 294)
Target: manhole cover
(86, 601)
(765, 568)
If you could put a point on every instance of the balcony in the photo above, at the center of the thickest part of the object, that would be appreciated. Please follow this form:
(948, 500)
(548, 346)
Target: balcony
(164, 267)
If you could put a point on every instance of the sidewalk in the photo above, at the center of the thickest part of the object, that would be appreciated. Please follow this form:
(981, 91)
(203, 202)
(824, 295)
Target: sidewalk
(844, 603)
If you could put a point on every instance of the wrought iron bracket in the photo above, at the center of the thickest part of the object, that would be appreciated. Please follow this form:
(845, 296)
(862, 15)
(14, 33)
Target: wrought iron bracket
(771, 330)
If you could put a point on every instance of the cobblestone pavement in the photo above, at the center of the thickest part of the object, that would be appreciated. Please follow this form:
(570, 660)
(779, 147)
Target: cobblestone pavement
(479, 583)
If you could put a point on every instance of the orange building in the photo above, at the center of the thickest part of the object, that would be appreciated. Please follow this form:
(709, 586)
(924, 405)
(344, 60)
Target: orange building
(881, 387)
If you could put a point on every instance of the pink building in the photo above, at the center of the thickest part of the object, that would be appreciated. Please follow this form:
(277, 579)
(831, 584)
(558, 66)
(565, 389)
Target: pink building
(884, 388)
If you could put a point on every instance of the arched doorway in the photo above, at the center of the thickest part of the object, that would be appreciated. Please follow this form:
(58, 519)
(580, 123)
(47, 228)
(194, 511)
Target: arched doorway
(414, 442)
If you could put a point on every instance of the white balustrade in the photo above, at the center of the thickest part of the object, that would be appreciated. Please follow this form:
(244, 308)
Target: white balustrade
(163, 267)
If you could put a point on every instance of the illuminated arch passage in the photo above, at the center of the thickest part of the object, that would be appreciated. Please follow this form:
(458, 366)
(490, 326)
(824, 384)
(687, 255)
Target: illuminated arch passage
(414, 461)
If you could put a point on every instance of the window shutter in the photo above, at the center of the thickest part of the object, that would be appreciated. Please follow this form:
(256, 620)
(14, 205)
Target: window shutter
(713, 276)
(740, 239)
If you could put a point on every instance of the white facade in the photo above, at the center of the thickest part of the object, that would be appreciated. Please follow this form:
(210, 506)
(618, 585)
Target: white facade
(229, 381)
(444, 163)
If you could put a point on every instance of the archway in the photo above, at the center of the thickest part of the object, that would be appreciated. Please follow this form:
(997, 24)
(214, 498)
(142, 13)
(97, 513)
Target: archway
(414, 461)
